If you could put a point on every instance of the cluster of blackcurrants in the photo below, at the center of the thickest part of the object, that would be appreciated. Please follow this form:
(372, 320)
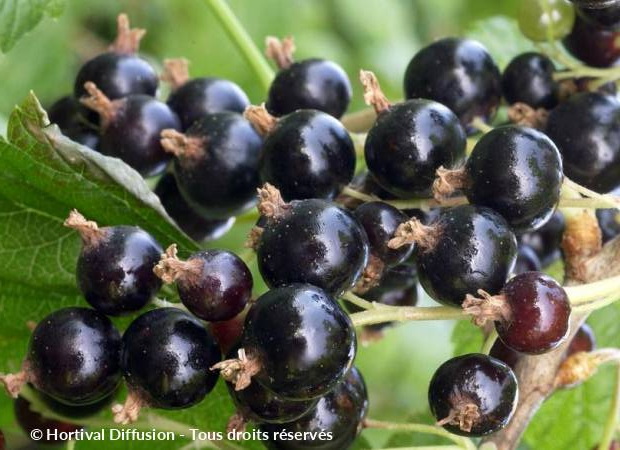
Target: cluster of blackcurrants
(290, 363)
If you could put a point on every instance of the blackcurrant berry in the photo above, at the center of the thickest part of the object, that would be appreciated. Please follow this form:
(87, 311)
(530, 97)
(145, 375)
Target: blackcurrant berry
(216, 164)
(72, 412)
(193, 224)
(165, 359)
(583, 341)
(591, 150)
(298, 342)
(214, 285)
(306, 154)
(30, 420)
(500, 351)
(131, 128)
(609, 221)
(308, 84)
(115, 266)
(517, 171)
(465, 249)
(459, 73)
(313, 241)
(410, 141)
(73, 357)
(67, 114)
(606, 15)
(529, 79)
(473, 395)
(341, 413)
(527, 260)
(228, 333)
(546, 240)
(595, 46)
(119, 72)
(194, 98)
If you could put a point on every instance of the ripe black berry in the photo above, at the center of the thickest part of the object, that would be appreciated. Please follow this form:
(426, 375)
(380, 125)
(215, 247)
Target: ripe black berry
(527, 260)
(194, 98)
(341, 412)
(214, 285)
(583, 341)
(465, 249)
(309, 84)
(115, 266)
(603, 16)
(312, 241)
(306, 154)
(193, 224)
(165, 359)
(500, 351)
(516, 171)
(459, 73)
(595, 46)
(67, 114)
(546, 240)
(131, 128)
(73, 356)
(529, 79)
(30, 420)
(298, 342)
(591, 150)
(216, 164)
(609, 221)
(473, 395)
(410, 141)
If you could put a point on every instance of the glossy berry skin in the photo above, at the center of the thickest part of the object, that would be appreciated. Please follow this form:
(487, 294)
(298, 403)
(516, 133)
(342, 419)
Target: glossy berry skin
(607, 16)
(409, 142)
(538, 21)
(609, 222)
(133, 134)
(527, 260)
(547, 239)
(117, 75)
(341, 412)
(475, 250)
(583, 341)
(305, 343)
(380, 222)
(528, 79)
(201, 96)
(595, 46)
(30, 420)
(221, 290)
(539, 313)
(75, 413)
(166, 357)
(310, 84)
(459, 73)
(220, 180)
(517, 171)
(316, 242)
(505, 354)
(66, 112)
(193, 224)
(309, 154)
(115, 273)
(475, 379)
(82, 365)
(591, 149)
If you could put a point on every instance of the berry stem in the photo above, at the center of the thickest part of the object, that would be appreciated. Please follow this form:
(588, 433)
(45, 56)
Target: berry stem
(612, 416)
(479, 124)
(609, 201)
(359, 121)
(597, 304)
(240, 37)
(489, 341)
(587, 293)
(406, 313)
(356, 300)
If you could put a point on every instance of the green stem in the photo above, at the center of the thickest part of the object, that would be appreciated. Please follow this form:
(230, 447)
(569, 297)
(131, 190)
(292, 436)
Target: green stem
(584, 71)
(352, 298)
(240, 37)
(612, 417)
(481, 125)
(586, 293)
(360, 121)
(70, 445)
(609, 201)
(407, 313)
(596, 305)
(462, 442)
(489, 341)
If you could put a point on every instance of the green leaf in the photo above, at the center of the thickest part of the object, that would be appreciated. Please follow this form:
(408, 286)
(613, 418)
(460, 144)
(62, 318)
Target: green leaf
(466, 338)
(17, 17)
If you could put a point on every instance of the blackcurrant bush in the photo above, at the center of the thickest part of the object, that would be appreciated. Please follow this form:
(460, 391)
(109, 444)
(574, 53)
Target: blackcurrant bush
(459, 73)
(595, 46)
(590, 151)
(546, 240)
(527, 260)
(73, 357)
(298, 343)
(67, 114)
(465, 249)
(216, 164)
(30, 420)
(341, 412)
(119, 72)
(194, 98)
(529, 79)
(213, 284)
(306, 154)
(517, 171)
(473, 395)
(131, 128)
(410, 141)
(541, 21)
(313, 241)
(193, 224)
(115, 266)
(583, 341)
(308, 84)
(165, 359)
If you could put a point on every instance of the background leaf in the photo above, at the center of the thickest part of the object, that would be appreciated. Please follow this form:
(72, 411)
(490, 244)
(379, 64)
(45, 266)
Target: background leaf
(17, 17)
